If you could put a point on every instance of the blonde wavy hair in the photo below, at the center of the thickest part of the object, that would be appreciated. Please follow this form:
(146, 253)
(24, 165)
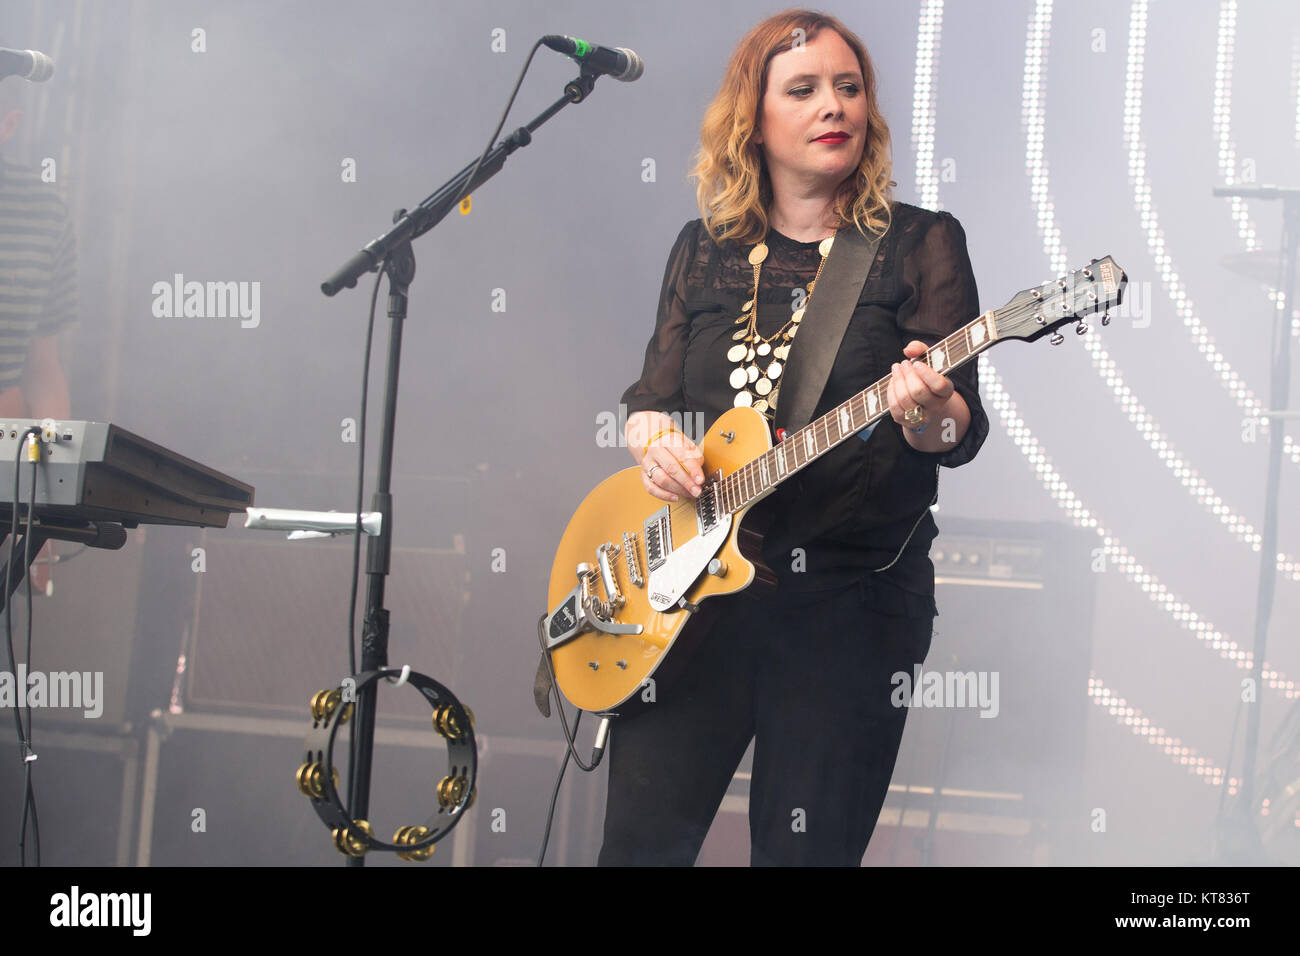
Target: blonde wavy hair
(733, 188)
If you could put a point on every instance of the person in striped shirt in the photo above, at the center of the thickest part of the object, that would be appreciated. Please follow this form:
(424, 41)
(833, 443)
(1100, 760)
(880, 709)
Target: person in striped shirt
(38, 280)
(38, 288)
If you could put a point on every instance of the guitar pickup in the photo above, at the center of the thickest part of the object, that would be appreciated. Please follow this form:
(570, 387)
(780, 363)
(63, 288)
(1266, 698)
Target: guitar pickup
(658, 538)
(706, 505)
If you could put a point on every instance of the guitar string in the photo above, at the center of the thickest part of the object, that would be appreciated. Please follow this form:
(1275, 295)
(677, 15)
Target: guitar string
(735, 484)
(957, 344)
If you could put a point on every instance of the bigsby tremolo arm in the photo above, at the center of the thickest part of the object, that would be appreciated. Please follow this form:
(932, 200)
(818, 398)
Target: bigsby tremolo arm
(583, 609)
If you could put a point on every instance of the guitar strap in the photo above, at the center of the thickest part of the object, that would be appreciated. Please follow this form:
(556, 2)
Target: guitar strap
(809, 366)
(823, 326)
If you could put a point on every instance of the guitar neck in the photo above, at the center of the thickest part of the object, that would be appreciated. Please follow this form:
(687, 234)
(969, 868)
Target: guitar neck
(757, 479)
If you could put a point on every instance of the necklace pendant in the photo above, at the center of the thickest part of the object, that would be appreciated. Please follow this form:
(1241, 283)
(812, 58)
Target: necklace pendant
(740, 334)
(760, 405)
(774, 370)
(793, 331)
(782, 352)
(738, 377)
(736, 353)
(751, 373)
(763, 386)
(749, 354)
(764, 348)
(743, 400)
(758, 254)
(746, 307)
(771, 398)
(825, 247)
(797, 317)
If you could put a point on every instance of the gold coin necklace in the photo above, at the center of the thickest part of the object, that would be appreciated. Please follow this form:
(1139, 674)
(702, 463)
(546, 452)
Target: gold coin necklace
(757, 387)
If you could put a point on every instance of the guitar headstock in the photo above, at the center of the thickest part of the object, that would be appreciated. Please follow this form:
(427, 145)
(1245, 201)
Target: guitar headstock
(1035, 312)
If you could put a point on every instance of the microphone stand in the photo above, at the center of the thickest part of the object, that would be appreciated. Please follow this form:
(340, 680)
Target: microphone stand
(392, 252)
(1240, 842)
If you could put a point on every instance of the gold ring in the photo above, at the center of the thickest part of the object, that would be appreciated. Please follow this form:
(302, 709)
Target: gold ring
(914, 416)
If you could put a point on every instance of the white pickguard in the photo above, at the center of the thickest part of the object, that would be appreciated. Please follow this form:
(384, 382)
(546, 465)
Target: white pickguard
(668, 582)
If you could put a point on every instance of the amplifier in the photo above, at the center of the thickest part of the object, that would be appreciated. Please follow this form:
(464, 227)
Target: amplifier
(988, 559)
(86, 626)
(1016, 603)
(992, 778)
(269, 623)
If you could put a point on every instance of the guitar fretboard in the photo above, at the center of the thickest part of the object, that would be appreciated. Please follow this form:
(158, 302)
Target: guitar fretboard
(756, 479)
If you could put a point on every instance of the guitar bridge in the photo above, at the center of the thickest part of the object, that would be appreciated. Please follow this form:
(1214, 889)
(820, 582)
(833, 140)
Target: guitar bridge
(633, 562)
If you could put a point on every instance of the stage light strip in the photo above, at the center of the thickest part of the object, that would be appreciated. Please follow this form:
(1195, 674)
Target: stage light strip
(1138, 179)
(1141, 726)
(995, 397)
(924, 93)
(1033, 114)
(1225, 60)
(1295, 85)
(1224, 55)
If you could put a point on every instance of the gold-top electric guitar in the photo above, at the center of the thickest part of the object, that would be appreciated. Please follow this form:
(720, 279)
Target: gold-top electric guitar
(645, 568)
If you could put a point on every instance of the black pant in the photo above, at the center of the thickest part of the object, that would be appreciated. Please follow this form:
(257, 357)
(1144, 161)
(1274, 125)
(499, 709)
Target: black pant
(808, 676)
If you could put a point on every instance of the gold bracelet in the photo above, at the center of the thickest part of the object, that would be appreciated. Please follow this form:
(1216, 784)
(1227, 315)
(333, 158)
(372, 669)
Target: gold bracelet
(663, 431)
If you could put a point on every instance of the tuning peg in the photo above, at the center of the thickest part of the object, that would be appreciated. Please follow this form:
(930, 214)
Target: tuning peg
(1105, 318)
(1057, 338)
(1081, 328)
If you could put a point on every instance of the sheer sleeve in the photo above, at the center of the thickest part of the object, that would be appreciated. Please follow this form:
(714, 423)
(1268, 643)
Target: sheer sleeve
(660, 386)
(943, 299)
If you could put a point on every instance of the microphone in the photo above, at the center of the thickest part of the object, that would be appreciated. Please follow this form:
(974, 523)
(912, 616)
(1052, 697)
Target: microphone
(29, 64)
(620, 63)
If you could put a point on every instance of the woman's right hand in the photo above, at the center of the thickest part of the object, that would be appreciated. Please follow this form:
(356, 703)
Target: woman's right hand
(672, 467)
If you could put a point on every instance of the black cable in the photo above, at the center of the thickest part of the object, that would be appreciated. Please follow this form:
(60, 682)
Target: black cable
(361, 479)
(356, 537)
(29, 794)
(559, 706)
(469, 182)
(555, 793)
(570, 752)
(23, 741)
(365, 388)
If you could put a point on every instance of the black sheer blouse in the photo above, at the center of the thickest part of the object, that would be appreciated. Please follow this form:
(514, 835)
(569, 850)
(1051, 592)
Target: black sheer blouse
(850, 512)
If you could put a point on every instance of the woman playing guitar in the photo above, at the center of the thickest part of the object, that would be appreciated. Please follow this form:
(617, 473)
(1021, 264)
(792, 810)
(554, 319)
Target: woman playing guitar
(793, 150)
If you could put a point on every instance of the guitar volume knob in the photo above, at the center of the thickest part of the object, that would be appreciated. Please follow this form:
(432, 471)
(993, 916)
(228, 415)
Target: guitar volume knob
(718, 568)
